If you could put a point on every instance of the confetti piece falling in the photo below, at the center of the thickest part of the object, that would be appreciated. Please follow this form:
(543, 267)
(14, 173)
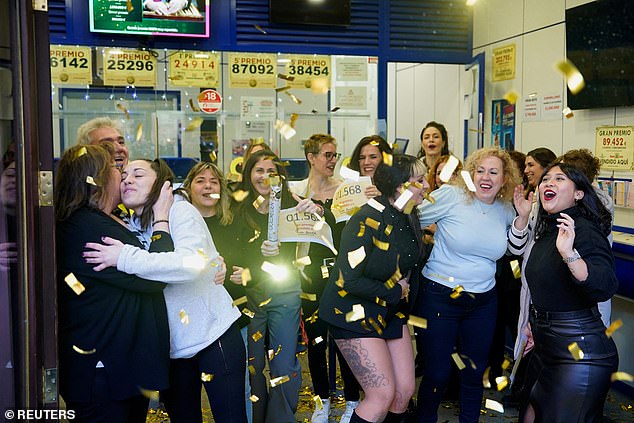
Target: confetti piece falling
(194, 124)
(149, 393)
(511, 96)
(356, 257)
(466, 176)
(337, 311)
(515, 267)
(576, 352)
(380, 302)
(429, 198)
(285, 77)
(193, 106)
(450, 167)
(308, 296)
(388, 230)
(184, 318)
(419, 322)
(485, 378)
(83, 352)
(457, 291)
(388, 159)
(90, 180)
(275, 270)
(240, 195)
(334, 109)
(259, 28)
(501, 382)
(342, 293)
(614, 326)
(123, 109)
(246, 276)
(282, 89)
(574, 79)
(381, 245)
(376, 205)
(284, 128)
(293, 97)
(258, 202)
(317, 340)
(402, 199)
(293, 120)
(494, 405)
(567, 112)
(318, 402)
(206, 377)
(347, 173)
(458, 361)
(357, 313)
(361, 229)
(324, 272)
(74, 284)
(248, 313)
(340, 282)
(254, 398)
(302, 261)
(238, 301)
(256, 336)
(81, 152)
(506, 363)
(139, 131)
(279, 380)
(622, 376)
(265, 302)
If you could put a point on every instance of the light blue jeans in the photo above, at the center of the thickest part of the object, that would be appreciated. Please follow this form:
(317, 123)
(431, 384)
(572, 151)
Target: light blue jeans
(247, 383)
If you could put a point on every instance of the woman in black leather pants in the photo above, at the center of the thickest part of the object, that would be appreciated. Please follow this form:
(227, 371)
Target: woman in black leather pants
(569, 269)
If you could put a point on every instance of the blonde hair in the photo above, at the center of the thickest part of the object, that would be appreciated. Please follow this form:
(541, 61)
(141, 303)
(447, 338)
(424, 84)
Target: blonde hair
(509, 169)
(83, 132)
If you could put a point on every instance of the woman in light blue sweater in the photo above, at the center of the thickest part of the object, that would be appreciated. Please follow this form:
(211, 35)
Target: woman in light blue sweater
(457, 294)
(205, 343)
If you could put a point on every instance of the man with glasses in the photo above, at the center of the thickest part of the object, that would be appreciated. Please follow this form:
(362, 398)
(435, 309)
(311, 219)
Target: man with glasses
(104, 129)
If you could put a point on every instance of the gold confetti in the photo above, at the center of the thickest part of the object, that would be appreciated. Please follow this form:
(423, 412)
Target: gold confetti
(139, 132)
(400, 315)
(494, 405)
(334, 109)
(90, 180)
(74, 284)
(279, 380)
(206, 377)
(485, 378)
(317, 340)
(308, 296)
(416, 321)
(155, 237)
(124, 109)
(506, 363)
(381, 245)
(381, 320)
(324, 272)
(501, 382)
(376, 327)
(240, 195)
(256, 336)
(214, 158)
(83, 352)
(380, 302)
(293, 97)
(457, 291)
(364, 325)
(357, 313)
(567, 112)
(318, 402)
(184, 318)
(258, 202)
(429, 198)
(576, 352)
(342, 293)
(149, 393)
(361, 229)
(254, 398)
(285, 77)
(251, 368)
(613, 327)
(293, 119)
(458, 361)
(313, 318)
(356, 257)
(388, 159)
(515, 267)
(511, 96)
(248, 313)
(340, 282)
(337, 311)
(193, 106)
(282, 89)
(239, 301)
(372, 223)
(256, 235)
(194, 124)
(129, 6)
(259, 28)
(81, 152)
(302, 261)
(388, 230)
(265, 302)
(622, 376)
(574, 79)
(245, 276)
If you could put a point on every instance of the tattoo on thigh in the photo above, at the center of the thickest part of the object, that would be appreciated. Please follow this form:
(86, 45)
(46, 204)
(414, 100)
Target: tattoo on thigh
(363, 368)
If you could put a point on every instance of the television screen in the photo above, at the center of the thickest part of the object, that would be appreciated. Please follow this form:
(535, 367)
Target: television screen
(299, 12)
(600, 42)
(181, 18)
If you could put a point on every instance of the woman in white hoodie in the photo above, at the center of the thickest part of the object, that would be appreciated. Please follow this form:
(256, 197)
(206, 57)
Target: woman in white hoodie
(205, 343)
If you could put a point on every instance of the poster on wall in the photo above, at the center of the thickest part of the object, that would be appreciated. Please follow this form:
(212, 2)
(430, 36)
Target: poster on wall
(252, 70)
(71, 65)
(503, 63)
(173, 18)
(615, 147)
(351, 69)
(503, 124)
(257, 109)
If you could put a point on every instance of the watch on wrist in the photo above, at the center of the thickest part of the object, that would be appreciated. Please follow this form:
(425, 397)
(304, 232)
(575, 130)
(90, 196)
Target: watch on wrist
(575, 256)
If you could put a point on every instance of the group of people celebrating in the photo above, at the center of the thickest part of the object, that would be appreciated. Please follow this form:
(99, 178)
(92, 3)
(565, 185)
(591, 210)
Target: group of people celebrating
(164, 291)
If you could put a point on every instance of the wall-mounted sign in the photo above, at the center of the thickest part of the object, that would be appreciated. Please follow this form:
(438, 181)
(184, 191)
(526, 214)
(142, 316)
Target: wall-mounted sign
(252, 70)
(257, 109)
(504, 63)
(71, 65)
(306, 68)
(129, 67)
(209, 101)
(351, 98)
(615, 147)
(194, 69)
(351, 68)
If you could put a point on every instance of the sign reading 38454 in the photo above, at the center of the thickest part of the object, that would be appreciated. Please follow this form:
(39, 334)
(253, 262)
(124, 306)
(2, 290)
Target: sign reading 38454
(71, 65)
(306, 68)
(129, 67)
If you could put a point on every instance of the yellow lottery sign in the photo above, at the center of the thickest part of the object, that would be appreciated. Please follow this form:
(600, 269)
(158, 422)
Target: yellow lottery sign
(194, 69)
(615, 147)
(129, 67)
(71, 65)
(252, 70)
(306, 68)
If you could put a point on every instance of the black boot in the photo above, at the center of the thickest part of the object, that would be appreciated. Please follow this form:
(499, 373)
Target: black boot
(356, 419)
(395, 418)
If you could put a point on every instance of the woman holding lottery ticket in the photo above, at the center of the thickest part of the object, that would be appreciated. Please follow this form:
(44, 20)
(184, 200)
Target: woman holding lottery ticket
(366, 298)
(268, 269)
(457, 295)
(321, 185)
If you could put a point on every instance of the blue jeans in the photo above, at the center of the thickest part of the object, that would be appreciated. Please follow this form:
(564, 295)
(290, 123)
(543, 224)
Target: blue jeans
(278, 324)
(247, 382)
(472, 318)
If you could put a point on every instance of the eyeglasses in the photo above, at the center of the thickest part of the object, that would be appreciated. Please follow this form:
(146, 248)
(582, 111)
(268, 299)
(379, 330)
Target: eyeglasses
(329, 155)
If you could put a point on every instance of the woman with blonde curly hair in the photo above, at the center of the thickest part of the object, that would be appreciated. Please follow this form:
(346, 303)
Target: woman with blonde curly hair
(457, 294)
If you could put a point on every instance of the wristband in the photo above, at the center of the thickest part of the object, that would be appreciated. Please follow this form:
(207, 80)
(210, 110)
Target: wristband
(160, 221)
(576, 256)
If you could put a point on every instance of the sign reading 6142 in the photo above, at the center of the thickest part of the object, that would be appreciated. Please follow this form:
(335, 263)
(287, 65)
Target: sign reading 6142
(71, 65)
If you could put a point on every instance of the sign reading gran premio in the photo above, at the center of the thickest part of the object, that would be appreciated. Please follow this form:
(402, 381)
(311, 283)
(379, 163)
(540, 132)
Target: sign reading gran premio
(615, 147)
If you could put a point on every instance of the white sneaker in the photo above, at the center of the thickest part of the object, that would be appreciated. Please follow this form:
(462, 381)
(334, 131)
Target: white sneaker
(320, 415)
(347, 414)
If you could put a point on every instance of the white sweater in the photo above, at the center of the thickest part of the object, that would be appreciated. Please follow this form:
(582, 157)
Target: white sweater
(190, 289)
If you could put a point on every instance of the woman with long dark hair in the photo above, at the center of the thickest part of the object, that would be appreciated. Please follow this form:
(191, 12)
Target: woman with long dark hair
(366, 156)
(569, 267)
(434, 143)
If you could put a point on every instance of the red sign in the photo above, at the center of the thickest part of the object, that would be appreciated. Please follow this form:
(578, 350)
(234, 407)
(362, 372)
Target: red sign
(209, 101)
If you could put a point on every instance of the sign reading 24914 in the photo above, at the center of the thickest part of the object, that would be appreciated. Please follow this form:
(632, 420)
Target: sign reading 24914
(252, 70)
(129, 67)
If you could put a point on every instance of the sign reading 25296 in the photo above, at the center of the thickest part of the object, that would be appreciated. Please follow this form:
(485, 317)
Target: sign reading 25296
(129, 67)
